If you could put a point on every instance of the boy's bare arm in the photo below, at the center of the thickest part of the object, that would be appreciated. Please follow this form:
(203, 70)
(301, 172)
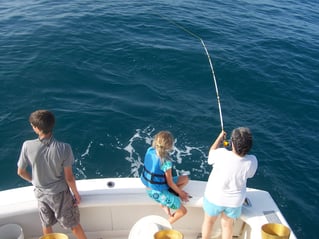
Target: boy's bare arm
(70, 180)
(23, 173)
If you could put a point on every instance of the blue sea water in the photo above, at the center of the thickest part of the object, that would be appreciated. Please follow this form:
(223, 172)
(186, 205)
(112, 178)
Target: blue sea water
(116, 72)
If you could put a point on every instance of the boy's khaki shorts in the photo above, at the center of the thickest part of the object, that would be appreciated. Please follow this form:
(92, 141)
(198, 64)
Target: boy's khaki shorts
(58, 207)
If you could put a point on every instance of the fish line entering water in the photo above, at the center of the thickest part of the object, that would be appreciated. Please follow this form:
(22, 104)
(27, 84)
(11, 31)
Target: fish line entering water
(209, 60)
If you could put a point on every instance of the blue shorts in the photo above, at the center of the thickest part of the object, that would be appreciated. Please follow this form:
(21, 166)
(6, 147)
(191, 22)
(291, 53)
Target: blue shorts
(214, 210)
(165, 197)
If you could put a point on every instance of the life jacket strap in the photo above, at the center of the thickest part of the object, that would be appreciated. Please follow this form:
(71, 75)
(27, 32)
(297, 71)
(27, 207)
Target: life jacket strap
(153, 175)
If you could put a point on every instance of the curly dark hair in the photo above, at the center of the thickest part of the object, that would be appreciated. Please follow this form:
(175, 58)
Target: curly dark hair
(242, 140)
(44, 120)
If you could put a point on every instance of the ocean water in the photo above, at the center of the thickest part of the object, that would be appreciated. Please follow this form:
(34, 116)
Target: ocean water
(116, 72)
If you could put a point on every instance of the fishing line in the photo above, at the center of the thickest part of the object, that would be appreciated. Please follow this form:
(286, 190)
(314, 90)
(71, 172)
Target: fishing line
(209, 60)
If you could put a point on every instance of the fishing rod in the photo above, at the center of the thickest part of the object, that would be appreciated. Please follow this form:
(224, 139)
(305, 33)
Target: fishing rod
(226, 143)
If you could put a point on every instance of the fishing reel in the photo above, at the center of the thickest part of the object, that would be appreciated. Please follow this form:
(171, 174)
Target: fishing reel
(227, 143)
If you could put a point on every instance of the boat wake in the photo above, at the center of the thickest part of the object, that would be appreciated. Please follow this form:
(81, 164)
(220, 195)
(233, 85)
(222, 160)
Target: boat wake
(188, 159)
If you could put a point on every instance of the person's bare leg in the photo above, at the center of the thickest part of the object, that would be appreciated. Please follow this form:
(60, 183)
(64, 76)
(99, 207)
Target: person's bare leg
(79, 232)
(227, 226)
(47, 230)
(166, 210)
(177, 215)
(207, 226)
(182, 181)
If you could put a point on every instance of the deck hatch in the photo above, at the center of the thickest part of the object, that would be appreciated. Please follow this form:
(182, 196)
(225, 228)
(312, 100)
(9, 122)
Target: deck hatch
(271, 216)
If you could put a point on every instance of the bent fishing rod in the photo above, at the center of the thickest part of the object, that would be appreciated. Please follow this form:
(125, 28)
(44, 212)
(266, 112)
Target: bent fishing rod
(210, 64)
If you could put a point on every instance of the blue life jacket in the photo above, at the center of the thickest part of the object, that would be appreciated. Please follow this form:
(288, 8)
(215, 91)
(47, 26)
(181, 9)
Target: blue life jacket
(152, 176)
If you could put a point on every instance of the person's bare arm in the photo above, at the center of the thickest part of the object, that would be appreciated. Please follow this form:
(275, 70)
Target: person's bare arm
(169, 178)
(218, 140)
(23, 173)
(70, 180)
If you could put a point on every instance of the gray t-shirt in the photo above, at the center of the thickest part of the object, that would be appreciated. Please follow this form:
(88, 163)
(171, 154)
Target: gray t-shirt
(47, 159)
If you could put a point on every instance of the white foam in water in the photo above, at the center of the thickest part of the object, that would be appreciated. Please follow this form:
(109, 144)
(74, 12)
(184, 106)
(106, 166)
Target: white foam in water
(179, 154)
(87, 151)
(134, 157)
(134, 149)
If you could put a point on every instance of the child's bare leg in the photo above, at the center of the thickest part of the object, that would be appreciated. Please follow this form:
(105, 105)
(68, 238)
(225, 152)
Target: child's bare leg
(182, 181)
(47, 230)
(166, 210)
(177, 215)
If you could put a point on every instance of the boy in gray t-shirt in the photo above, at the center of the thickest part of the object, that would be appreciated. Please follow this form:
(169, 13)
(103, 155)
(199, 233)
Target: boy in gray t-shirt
(51, 174)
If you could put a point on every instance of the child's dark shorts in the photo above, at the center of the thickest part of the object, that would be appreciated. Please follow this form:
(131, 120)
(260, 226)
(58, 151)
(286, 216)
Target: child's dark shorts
(58, 207)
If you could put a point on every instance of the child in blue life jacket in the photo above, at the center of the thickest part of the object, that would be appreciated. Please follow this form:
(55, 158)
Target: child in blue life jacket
(157, 177)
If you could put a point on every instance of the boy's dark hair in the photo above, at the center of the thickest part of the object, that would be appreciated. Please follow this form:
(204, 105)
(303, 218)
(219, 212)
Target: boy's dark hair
(42, 119)
(242, 140)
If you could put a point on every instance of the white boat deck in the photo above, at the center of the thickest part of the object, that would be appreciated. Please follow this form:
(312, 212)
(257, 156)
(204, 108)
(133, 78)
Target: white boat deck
(111, 207)
(121, 235)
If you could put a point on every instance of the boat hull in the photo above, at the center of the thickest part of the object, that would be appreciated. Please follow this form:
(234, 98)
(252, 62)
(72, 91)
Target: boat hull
(110, 208)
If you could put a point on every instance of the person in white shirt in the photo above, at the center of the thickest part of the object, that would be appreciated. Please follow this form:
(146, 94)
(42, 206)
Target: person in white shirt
(226, 187)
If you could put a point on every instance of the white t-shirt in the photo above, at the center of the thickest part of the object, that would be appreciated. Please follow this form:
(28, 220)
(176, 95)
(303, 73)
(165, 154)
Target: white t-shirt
(226, 184)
